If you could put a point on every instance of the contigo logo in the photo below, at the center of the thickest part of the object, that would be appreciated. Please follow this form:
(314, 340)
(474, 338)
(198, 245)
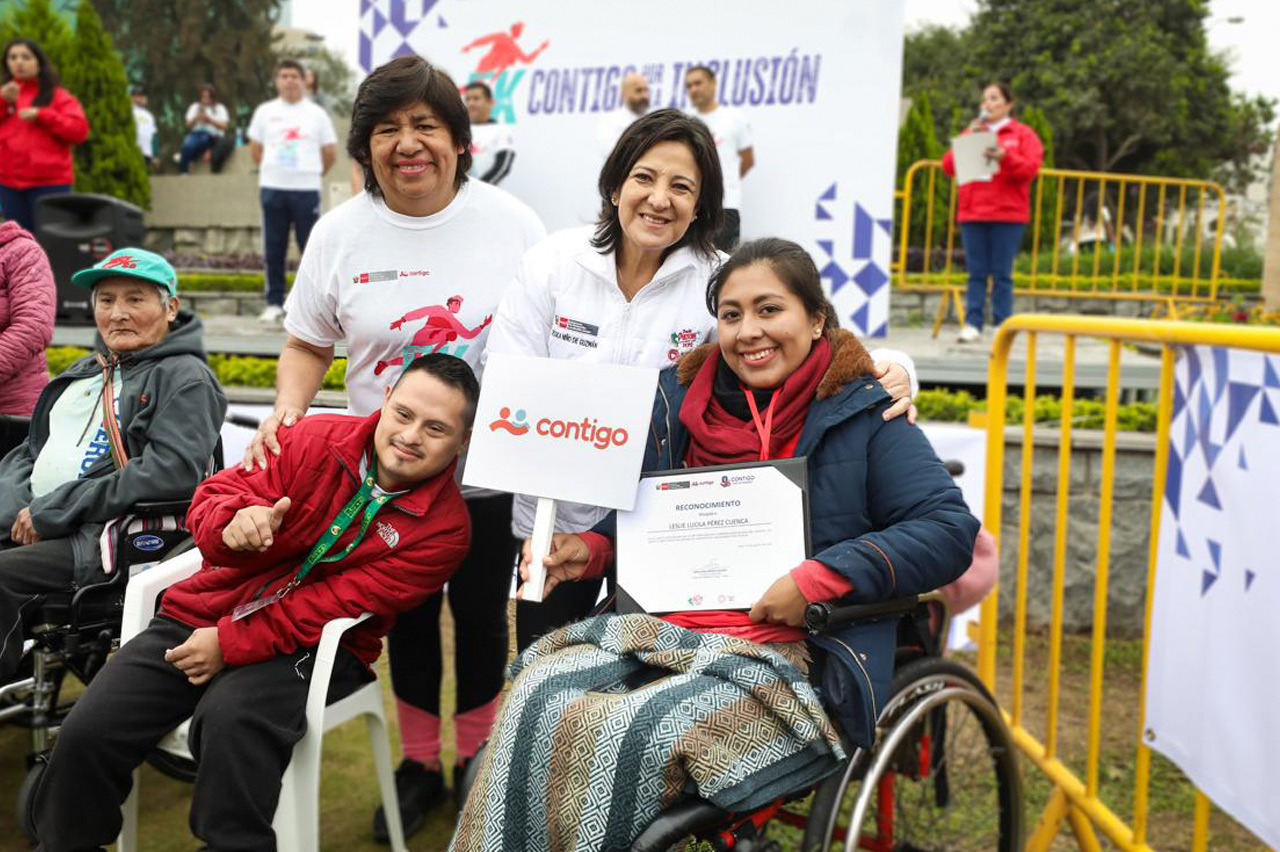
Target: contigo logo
(588, 429)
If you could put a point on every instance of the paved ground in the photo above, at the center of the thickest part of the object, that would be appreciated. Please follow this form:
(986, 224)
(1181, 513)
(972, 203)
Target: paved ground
(939, 362)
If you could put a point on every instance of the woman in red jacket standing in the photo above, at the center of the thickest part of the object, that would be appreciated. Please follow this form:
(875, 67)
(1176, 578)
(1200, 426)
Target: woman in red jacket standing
(994, 213)
(40, 122)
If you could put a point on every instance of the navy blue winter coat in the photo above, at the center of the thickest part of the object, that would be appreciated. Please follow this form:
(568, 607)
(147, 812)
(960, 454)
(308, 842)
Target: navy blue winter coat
(883, 512)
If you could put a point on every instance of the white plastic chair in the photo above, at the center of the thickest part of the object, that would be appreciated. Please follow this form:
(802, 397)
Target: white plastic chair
(297, 819)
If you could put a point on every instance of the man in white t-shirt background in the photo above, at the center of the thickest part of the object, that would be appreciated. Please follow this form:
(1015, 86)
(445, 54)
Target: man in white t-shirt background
(635, 103)
(145, 123)
(732, 133)
(293, 142)
(493, 145)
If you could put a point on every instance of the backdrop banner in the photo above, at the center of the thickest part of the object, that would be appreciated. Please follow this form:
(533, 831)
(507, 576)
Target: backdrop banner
(1212, 692)
(818, 81)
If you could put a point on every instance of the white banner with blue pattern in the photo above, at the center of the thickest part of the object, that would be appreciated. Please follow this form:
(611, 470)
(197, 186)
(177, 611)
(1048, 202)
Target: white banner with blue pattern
(1213, 687)
(818, 80)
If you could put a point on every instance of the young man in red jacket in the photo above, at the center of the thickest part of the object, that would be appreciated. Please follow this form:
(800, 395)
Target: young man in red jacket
(355, 515)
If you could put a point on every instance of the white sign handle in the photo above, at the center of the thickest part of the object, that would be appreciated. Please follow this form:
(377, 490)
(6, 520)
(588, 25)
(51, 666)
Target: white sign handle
(544, 524)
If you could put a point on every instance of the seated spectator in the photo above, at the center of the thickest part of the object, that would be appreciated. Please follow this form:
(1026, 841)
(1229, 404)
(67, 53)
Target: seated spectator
(27, 302)
(78, 468)
(887, 521)
(206, 123)
(234, 645)
(145, 123)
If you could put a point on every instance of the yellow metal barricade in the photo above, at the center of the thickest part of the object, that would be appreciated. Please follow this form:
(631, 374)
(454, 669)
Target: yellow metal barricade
(1096, 235)
(1074, 799)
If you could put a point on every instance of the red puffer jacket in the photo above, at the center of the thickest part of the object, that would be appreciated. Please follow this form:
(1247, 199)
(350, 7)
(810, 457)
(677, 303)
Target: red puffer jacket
(412, 547)
(1007, 196)
(27, 297)
(38, 153)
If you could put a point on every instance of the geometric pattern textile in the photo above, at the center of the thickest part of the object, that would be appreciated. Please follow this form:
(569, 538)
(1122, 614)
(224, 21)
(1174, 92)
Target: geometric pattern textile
(578, 760)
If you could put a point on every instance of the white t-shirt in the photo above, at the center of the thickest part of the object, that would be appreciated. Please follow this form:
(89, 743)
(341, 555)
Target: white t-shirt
(217, 112)
(366, 268)
(77, 437)
(145, 123)
(611, 127)
(291, 136)
(487, 141)
(732, 133)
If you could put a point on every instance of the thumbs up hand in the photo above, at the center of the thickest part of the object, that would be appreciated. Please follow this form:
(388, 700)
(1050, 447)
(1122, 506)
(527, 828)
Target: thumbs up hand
(254, 527)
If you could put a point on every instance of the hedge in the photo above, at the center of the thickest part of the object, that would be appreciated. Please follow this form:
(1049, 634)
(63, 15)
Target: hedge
(222, 282)
(231, 370)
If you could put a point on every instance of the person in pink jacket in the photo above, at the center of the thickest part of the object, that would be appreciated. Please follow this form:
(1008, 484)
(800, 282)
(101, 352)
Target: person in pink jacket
(40, 123)
(993, 214)
(27, 300)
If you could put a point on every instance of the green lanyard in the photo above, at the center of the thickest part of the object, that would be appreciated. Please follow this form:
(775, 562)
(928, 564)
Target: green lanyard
(363, 499)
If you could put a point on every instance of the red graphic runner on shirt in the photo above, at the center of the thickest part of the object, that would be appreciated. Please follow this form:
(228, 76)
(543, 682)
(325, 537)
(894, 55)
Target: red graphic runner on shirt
(441, 328)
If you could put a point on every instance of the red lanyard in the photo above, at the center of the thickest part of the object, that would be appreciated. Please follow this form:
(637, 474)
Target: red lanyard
(765, 428)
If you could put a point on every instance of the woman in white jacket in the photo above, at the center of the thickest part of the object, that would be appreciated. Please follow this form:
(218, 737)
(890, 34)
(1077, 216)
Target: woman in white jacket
(629, 290)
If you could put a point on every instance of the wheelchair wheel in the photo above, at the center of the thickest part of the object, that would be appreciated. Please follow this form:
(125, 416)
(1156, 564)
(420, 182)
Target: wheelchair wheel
(26, 800)
(943, 775)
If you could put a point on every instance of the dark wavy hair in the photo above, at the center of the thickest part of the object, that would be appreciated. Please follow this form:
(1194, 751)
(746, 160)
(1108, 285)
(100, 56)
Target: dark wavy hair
(48, 76)
(454, 372)
(398, 84)
(794, 267)
(664, 125)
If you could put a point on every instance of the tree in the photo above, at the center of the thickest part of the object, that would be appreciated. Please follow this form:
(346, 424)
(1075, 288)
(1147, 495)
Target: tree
(935, 62)
(40, 21)
(109, 162)
(1129, 86)
(917, 140)
(1034, 118)
(174, 46)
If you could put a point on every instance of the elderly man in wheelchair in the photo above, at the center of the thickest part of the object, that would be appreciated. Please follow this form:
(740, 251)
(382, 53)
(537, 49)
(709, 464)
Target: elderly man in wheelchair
(628, 731)
(136, 422)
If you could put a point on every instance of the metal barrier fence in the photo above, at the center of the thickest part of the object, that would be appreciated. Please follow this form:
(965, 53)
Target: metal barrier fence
(1095, 235)
(1076, 800)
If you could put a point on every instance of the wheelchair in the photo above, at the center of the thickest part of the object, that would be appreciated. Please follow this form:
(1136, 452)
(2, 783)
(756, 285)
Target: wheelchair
(942, 773)
(77, 632)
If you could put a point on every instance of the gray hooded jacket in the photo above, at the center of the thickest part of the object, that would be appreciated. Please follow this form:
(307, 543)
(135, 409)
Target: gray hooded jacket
(171, 412)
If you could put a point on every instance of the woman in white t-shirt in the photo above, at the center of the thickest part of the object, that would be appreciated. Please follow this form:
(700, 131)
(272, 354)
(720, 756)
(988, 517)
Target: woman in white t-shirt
(206, 122)
(630, 290)
(414, 264)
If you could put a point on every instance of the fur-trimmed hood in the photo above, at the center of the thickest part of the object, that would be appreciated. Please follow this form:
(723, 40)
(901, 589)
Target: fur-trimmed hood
(849, 361)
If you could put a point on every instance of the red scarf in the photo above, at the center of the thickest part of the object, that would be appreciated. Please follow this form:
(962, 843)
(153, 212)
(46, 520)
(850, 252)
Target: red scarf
(718, 437)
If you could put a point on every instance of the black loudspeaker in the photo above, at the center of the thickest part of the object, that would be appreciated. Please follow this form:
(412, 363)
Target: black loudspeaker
(77, 230)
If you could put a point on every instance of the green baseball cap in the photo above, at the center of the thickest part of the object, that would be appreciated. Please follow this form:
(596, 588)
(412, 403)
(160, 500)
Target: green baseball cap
(131, 263)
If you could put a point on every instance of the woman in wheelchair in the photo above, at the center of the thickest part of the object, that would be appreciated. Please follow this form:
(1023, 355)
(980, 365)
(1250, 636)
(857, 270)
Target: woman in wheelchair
(136, 421)
(569, 767)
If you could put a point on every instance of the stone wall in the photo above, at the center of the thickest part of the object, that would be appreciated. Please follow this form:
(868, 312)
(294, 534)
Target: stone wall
(1130, 539)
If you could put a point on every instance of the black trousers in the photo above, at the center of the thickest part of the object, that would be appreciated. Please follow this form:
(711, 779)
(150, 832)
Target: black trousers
(478, 595)
(245, 723)
(567, 603)
(28, 574)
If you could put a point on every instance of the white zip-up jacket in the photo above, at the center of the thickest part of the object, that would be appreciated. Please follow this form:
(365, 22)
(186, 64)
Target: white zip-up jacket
(565, 303)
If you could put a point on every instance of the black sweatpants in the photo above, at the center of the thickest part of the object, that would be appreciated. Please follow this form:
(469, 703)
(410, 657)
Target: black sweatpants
(28, 574)
(245, 723)
(478, 595)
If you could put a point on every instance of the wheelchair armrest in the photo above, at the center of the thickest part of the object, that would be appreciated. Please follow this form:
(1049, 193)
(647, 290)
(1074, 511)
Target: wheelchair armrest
(326, 653)
(145, 586)
(156, 508)
(824, 616)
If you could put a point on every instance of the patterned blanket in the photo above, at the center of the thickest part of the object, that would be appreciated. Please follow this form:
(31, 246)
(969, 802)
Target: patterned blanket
(578, 761)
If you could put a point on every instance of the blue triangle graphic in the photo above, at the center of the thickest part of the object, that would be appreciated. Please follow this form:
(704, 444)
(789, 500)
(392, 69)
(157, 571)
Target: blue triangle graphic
(1179, 401)
(1269, 377)
(379, 21)
(829, 195)
(1173, 481)
(886, 225)
(837, 275)
(882, 331)
(860, 317)
(862, 233)
(820, 212)
(1215, 553)
(1193, 369)
(1189, 435)
(1182, 546)
(1238, 398)
(1207, 580)
(828, 246)
(440, 22)
(1248, 579)
(1209, 495)
(1244, 465)
(1211, 451)
(1267, 414)
(1220, 372)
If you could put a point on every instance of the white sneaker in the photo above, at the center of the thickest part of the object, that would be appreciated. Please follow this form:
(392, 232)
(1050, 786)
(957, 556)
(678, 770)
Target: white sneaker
(969, 334)
(271, 315)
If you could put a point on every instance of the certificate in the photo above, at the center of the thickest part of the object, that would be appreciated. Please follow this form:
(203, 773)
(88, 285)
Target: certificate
(971, 160)
(711, 538)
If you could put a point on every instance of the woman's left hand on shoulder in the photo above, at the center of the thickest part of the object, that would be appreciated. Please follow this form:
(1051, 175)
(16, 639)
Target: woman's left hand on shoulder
(897, 383)
(781, 603)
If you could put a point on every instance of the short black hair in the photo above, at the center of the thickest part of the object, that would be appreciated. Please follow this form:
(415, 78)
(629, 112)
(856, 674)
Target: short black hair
(795, 269)
(398, 84)
(703, 68)
(483, 87)
(663, 125)
(454, 372)
(47, 77)
(286, 63)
